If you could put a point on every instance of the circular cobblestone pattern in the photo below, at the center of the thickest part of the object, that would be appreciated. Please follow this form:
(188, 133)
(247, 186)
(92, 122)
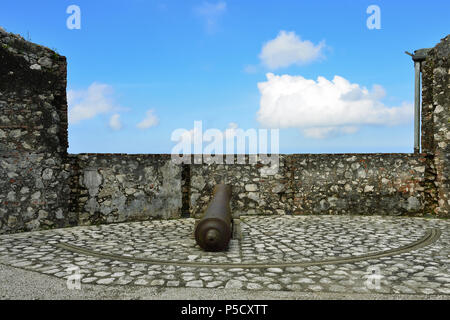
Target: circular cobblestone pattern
(303, 253)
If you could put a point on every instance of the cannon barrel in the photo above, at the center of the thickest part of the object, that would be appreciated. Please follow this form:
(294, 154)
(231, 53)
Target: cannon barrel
(213, 232)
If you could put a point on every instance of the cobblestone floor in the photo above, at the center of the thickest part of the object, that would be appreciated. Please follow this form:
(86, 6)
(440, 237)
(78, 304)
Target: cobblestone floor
(348, 254)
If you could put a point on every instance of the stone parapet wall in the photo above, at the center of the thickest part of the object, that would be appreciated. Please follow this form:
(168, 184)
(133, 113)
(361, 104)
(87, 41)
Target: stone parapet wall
(34, 190)
(253, 191)
(366, 184)
(369, 184)
(436, 121)
(111, 188)
(41, 186)
(43, 191)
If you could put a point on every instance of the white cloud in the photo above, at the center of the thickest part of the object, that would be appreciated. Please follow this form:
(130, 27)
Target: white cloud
(211, 13)
(288, 49)
(149, 121)
(323, 108)
(86, 104)
(114, 122)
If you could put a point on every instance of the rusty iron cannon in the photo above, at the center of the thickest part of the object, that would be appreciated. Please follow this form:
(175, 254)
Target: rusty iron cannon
(213, 231)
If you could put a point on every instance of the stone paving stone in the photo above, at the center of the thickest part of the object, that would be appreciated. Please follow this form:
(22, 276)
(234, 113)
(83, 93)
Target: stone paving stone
(88, 280)
(234, 284)
(173, 283)
(214, 284)
(275, 270)
(274, 286)
(254, 286)
(315, 288)
(157, 282)
(124, 281)
(101, 274)
(141, 282)
(106, 281)
(118, 274)
(265, 240)
(195, 284)
(337, 288)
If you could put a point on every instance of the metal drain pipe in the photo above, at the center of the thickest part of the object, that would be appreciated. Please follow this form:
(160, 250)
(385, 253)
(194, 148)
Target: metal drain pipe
(418, 57)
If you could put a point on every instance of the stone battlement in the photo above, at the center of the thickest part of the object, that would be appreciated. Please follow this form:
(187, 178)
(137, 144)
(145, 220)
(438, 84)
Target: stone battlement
(42, 186)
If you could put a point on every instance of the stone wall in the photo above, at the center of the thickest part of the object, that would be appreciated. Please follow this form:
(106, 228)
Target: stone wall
(110, 188)
(33, 137)
(253, 191)
(33, 100)
(34, 192)
(369, 184)
(436, 124)
(41, 186)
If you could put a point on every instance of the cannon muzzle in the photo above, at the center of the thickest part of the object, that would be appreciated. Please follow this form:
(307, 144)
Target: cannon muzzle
(213, 232)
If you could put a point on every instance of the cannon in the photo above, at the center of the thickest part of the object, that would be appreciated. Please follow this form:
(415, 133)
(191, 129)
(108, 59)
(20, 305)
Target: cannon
(213, 231)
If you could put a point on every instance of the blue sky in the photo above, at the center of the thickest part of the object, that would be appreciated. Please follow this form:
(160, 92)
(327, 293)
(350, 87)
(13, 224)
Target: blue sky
(138, 70)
